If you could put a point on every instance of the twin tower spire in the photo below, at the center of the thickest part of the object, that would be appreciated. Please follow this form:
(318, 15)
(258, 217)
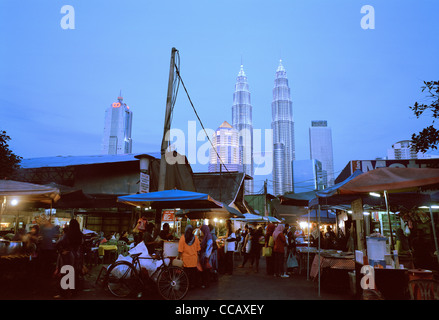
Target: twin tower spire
(242, 123)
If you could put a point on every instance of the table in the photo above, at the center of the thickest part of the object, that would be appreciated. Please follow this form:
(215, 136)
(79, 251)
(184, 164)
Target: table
(392, 284)
(332, 261)
(302, 257)
(103, 248)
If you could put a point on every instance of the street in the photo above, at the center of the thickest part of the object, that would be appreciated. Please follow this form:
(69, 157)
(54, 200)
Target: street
(244, 284)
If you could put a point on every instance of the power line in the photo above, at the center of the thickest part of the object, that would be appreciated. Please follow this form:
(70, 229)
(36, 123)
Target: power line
(199, 120)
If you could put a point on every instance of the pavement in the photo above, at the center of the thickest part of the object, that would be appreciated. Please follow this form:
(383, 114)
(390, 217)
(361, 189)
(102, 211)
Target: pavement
(243, 284)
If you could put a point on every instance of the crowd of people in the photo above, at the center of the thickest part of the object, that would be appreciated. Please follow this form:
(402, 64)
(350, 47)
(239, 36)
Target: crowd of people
(200, 252)
(279, 239)
(202, 256)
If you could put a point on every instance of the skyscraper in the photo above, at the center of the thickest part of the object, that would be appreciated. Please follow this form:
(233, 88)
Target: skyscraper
(226, 144)
(283, 134)
(243, 123)
(117, 129)
(320, 142)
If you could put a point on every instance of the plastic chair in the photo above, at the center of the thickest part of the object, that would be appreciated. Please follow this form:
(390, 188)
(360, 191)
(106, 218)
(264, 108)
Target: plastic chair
(122, 248)
(424, 289)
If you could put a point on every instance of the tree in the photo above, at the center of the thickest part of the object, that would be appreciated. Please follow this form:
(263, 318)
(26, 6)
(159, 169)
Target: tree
(9, 162)
(428, 138)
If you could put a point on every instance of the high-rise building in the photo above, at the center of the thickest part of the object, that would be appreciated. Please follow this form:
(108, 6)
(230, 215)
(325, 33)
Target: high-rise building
(226, 143)
(320, 142)
(243, 123)
(283, 134)
(403, 150)
(117, 129)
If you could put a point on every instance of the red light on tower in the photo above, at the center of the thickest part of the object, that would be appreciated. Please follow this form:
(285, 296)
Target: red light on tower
(116, 104)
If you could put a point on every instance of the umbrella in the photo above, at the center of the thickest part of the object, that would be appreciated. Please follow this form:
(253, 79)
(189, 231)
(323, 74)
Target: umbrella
(225, 212)
(29, 191)
(26, 192)
(271, 219)
(171, 199)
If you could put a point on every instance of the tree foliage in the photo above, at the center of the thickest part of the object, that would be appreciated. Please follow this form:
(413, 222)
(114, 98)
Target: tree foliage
(428, 138)
(8, 160)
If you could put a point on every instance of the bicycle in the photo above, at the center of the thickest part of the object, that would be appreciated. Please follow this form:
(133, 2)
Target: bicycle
(123, 279)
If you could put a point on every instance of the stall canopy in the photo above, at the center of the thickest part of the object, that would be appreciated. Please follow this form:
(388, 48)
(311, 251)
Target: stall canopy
(297, 199)
(272, 219)
(390, 179)
(29, 192)
(168, 199)
(393, 180)
(225, 212)
(326, 216)
(250, 217)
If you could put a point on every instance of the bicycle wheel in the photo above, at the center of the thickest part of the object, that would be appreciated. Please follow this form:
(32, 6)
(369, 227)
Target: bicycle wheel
(122, 279)
(173, 283)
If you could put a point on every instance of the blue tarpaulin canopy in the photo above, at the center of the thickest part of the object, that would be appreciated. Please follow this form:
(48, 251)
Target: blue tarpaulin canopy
(171, 199)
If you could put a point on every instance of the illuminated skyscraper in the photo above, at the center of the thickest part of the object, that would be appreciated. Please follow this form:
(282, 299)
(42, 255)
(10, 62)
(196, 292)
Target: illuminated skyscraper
(283, 134)
(117, 129)
(243, 123)
(226, 144)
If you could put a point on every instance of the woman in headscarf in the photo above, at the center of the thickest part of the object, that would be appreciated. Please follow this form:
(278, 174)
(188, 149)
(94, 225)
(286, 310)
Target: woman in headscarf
(188, 248)
(205, 252)
(279, 251)
(270, 260)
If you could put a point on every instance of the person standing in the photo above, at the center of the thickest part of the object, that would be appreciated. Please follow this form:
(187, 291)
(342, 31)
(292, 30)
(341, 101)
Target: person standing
(255, 249)
(279, 251)
(205, 253)
(188, 248)
(229, 247)
(246, 247)
(47, 249)
(214, 255)
(70, 253)
(269, 242)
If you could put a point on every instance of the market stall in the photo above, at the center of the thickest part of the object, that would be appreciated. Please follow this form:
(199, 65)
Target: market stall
(172, 199)
(13, 256)
(391, 184)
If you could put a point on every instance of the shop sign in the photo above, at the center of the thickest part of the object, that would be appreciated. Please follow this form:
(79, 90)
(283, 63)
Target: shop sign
(144, 183)
(367, 165)
(357, 209)
(168, 215)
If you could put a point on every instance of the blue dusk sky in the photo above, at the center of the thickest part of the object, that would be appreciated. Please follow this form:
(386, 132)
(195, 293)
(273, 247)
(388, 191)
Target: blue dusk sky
(56, 83)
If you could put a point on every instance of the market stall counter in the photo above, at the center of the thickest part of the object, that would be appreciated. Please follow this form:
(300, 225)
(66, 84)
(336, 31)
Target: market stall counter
(334, 269)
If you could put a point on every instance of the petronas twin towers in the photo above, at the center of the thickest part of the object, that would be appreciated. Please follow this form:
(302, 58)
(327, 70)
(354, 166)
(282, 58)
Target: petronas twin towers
(237, 139)
(282, 125)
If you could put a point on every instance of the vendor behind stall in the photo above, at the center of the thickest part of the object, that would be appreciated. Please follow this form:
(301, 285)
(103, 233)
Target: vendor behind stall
(150, 238)
(166, 234)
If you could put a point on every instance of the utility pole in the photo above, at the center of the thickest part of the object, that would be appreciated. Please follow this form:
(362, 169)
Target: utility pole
(167, 126)
(265, 198)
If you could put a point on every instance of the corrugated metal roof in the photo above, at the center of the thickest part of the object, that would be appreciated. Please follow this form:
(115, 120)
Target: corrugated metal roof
(64, 161)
